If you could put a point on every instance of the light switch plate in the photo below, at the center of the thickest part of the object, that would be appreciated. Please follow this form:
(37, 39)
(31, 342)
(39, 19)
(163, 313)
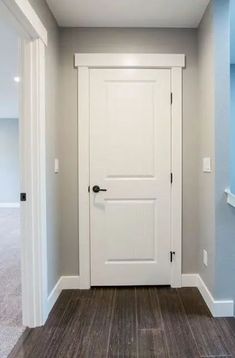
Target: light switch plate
(57, 166)
(207, 165)
(205, 258)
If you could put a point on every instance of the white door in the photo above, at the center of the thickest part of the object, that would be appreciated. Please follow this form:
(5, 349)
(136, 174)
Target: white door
(130, 157)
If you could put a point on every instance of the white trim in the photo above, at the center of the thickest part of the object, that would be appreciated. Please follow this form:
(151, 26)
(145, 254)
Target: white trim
(190, 280)
(102, 60)
(230, 197)
(27, 18)
(53, 296)
(83, 177)
(33, 182)
(176, 189)
(218, 308)
(84, 62)
(64, 283)
(70, 282)
(9, 205)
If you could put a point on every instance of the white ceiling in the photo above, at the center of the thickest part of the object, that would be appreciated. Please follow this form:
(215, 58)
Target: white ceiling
(9, 68)
(128, 13)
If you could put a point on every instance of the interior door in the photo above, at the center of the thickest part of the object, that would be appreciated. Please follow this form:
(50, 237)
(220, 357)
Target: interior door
(130, 159)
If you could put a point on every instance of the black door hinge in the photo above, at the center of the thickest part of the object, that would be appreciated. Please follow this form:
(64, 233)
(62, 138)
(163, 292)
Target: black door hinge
(89, 189)
(172, 253)
(171, 97)
(171, 178)
(23, 197)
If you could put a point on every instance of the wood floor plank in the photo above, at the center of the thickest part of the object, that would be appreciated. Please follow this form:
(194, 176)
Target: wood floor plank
(151, 337)
(38, 339)
(226, 328)
(99, 332)
(131, 322)
(205, 330)
(180, 341)
(123, 334)
(75, 334)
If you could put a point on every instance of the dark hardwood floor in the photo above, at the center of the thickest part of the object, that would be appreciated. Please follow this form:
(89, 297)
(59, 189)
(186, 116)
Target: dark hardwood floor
(130, 322)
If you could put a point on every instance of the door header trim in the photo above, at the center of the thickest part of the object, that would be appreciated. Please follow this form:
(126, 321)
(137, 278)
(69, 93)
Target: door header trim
(103, 60)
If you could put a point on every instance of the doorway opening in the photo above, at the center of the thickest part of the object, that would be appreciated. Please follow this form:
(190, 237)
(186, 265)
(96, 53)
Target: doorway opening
(31, 156)
(11, 323)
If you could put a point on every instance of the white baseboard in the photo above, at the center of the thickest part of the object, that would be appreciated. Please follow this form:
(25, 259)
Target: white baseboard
(218, 308)
(52, 298)
(69, 283)
(9, 205)
(64, 283)
(190, 280)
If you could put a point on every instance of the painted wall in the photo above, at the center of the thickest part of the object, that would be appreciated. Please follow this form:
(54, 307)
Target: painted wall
(52, 111)
(9, 160)
(217, 218)
(207, 148)
(232, 31)
(232, 96)
(232, 128)
(126, 40)
(224, 214)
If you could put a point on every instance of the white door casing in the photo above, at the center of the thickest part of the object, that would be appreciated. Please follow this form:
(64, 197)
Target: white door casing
(33, 160)
(130, 156)
(85, 64)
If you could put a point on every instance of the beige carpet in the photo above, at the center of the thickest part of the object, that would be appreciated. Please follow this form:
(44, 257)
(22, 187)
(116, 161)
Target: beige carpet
(10, 281)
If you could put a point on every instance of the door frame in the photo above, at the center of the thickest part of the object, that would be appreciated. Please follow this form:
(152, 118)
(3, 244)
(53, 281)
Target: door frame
(84, 62)
(33, 160)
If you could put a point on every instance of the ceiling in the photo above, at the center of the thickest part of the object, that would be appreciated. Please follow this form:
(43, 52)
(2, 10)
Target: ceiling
(128, 13)
(9, 68)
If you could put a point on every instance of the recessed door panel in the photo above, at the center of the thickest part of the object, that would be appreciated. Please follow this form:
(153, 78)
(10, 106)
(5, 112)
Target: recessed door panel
(129, 106)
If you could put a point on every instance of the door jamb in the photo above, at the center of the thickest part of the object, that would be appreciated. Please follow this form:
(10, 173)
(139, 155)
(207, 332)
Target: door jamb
(33, 160)
(84, 62)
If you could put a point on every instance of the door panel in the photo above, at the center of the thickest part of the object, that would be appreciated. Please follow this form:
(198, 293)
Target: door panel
(130, 145)
(127, 104)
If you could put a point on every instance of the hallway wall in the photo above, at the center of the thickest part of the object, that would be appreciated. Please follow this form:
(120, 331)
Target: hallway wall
(224, 213)
(217, 218)
(126, 40)
(232, 123)
(207, 146)
(52, 111)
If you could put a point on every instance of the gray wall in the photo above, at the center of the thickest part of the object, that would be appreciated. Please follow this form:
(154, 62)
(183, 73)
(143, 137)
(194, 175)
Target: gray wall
(126, 40)
(52, 180)
(224, 214)
(206, 138)
(9, 160)
(217, 218)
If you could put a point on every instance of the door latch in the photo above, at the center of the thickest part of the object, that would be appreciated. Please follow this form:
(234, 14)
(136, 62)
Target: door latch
(23, 197)
(172, 254)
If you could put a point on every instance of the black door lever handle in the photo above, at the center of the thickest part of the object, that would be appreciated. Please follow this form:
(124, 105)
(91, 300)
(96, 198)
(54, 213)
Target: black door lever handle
(97, 189)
